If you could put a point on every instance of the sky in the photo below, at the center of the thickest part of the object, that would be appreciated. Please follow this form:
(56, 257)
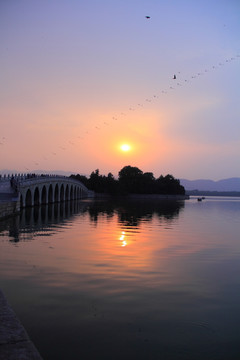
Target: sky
(79, 79)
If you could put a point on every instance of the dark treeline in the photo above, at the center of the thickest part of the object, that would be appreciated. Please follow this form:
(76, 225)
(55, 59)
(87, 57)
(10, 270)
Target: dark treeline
(131, 180)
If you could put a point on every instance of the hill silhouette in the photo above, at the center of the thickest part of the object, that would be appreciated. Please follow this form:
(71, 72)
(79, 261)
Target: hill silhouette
(224, 185)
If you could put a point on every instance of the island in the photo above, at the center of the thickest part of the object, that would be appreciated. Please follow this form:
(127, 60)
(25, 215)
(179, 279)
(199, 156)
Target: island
(133, 182)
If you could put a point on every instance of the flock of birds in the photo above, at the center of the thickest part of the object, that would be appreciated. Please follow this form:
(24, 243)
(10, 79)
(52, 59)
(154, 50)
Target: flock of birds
(176, 81)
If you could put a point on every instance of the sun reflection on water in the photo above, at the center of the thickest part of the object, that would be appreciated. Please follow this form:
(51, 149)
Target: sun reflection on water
(122, 238)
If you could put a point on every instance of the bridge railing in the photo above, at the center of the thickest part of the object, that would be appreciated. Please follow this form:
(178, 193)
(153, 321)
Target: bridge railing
(17, 180)
(22, 176)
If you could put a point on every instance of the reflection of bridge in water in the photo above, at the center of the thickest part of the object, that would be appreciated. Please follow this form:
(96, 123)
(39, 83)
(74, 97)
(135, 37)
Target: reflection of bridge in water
(44, 218)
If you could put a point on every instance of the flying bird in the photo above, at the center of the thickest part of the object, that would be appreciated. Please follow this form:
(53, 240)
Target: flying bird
(147, 17)
(174, 77)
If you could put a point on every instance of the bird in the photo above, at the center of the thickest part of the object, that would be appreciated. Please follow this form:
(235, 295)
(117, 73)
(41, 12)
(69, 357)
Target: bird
(174, 77)
(147, 17)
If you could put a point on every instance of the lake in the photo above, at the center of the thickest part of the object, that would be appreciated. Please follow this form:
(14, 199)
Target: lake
(126, 279)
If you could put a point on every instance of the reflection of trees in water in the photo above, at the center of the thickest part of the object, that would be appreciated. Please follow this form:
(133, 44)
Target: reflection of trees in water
(100, 208)
(44, 219)
(132, 213)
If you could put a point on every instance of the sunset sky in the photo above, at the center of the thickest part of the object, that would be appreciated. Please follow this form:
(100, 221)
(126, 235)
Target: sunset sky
(79, 79)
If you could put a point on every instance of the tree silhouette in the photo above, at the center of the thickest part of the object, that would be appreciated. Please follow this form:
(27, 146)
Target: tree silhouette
(131, 180)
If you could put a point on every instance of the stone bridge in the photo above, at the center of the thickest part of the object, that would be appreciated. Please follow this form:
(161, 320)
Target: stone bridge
(31, 189)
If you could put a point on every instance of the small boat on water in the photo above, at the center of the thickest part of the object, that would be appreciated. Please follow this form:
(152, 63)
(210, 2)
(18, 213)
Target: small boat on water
(199, 199)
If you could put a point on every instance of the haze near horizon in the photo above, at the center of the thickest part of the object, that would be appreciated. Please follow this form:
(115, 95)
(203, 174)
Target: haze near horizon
(100, 85)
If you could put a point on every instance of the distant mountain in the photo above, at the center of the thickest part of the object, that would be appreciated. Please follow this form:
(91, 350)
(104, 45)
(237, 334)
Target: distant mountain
(231, 184)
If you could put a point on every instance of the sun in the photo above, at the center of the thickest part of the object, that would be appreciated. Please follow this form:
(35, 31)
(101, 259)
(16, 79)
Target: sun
(125, 147)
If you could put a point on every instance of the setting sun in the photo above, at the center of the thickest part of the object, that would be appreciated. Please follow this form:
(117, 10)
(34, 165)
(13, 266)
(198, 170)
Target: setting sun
(125, 147)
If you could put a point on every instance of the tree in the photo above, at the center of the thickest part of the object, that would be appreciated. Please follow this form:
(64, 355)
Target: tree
(111, 184)
(129, 178)
(95, 181)
(81, 178)
(148, 183)
(169, 185)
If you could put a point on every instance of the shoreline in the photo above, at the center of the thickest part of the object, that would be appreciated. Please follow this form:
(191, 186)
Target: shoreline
(14, 340)
(9, 208)
(152, 197)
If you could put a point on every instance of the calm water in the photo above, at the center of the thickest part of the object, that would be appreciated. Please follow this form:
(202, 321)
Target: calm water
(101, 280)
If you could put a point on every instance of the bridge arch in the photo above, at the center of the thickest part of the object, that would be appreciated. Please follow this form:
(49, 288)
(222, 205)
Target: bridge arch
(36, 197)
(56, 193)
(62, 194)
(71, 193)
(67, 193)
(44, 195)
(50, 194)
(28, 198)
